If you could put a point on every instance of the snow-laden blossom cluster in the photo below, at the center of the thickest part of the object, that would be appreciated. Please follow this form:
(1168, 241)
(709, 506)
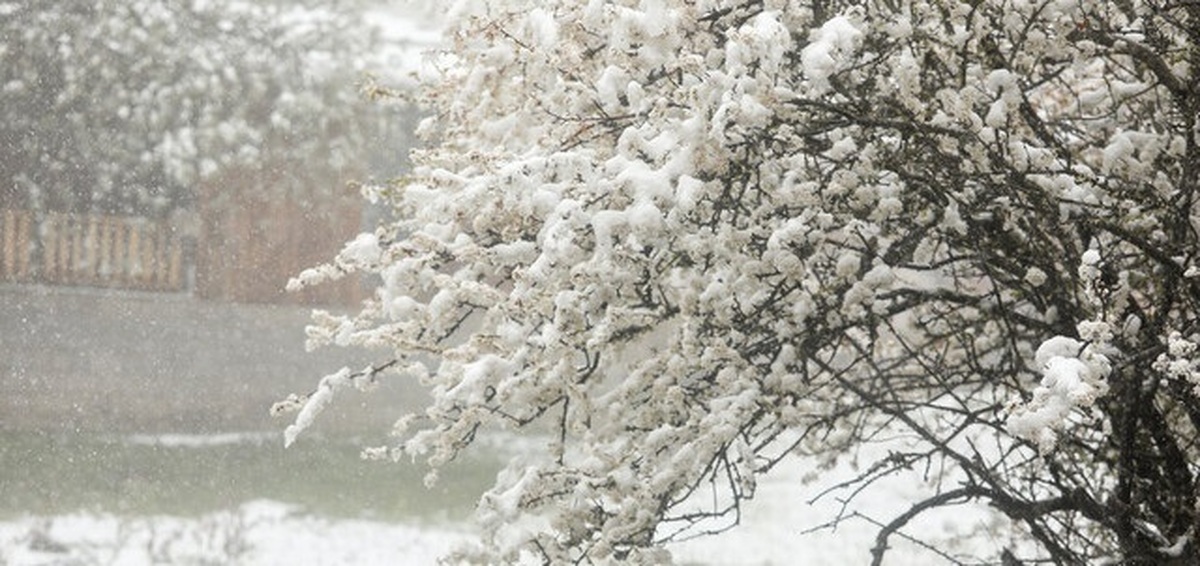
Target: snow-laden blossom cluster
(688, 240)
(1073, 376)
(1180, 361)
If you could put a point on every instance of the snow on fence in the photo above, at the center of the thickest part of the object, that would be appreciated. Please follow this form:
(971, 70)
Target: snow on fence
(97, 250)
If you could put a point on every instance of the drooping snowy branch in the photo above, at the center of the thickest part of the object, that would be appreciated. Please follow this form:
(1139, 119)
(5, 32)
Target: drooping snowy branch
(695, 239)
(309, 407)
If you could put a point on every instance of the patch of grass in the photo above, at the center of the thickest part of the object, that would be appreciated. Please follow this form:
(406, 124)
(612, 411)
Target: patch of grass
(53, 474)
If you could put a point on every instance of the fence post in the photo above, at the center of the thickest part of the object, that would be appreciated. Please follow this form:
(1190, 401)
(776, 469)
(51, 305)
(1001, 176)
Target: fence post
(64, 248)
(24, 245)
(8, 253)
(162, 252)
(120, 257)
(134, 253)
(46, 236)
(75, 226)
(175, 269)
(90, 251)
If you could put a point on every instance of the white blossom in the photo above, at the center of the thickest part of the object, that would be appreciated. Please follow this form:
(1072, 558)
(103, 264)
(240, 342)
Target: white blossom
(695, 239)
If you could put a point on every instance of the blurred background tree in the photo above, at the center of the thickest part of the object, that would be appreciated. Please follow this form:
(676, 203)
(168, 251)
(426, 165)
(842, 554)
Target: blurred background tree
(149, 139)
(126, 106)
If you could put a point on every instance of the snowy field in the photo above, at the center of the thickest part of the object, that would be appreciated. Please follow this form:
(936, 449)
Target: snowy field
(269, 532)
(264, 532)
(91, 475)
(257, 532)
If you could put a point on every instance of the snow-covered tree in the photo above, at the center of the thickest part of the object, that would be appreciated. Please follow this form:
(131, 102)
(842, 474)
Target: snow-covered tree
(127, 105)
(688, 240)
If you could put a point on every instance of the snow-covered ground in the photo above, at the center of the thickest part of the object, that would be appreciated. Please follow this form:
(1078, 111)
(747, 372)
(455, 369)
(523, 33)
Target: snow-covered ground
(781, 527)
(227, 384)
(268, 532)
(258, 532)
